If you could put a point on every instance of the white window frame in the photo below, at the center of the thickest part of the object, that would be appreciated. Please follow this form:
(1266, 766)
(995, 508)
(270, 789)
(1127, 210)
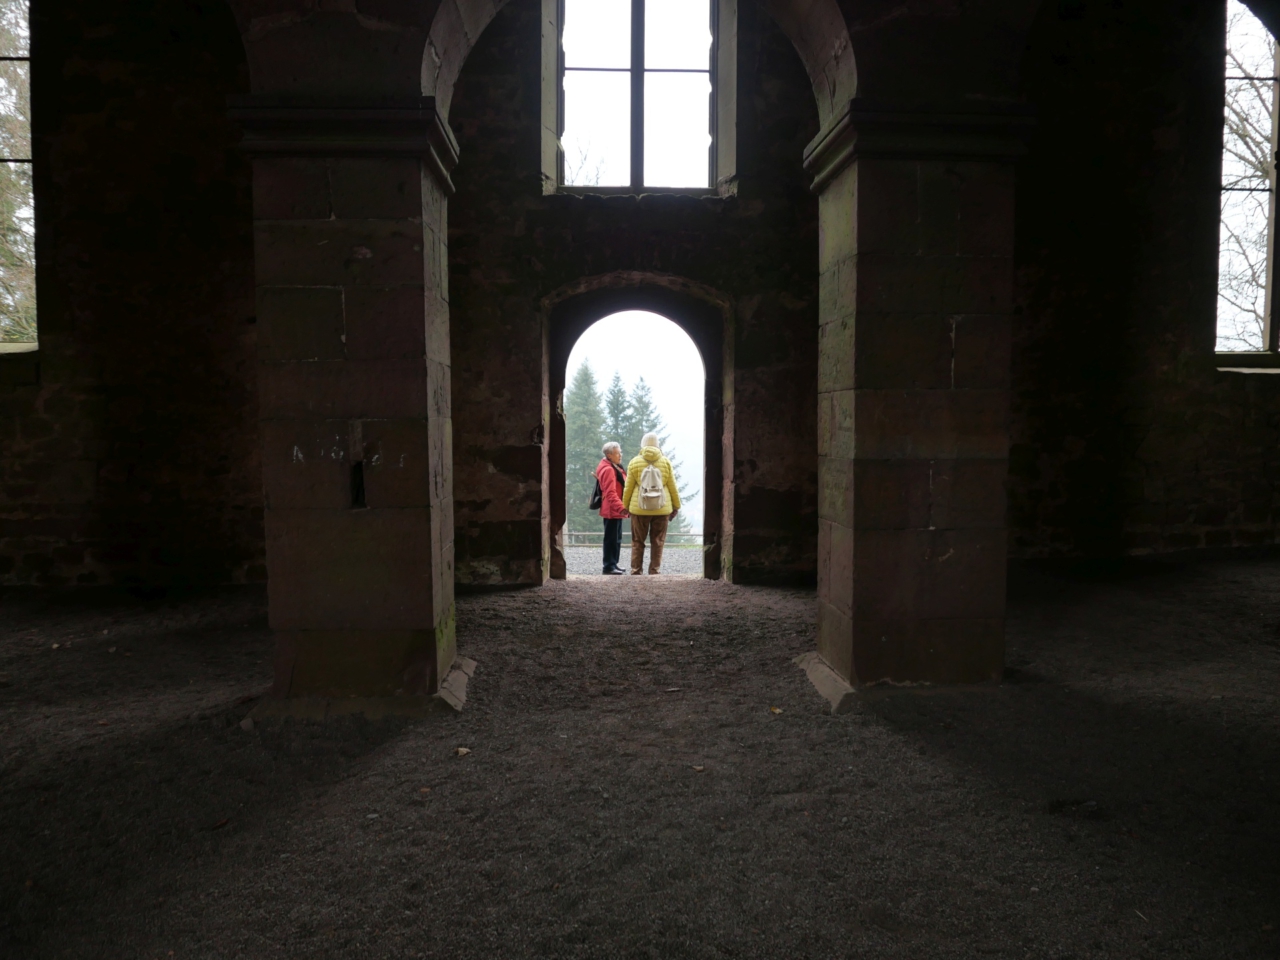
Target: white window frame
(723, 62)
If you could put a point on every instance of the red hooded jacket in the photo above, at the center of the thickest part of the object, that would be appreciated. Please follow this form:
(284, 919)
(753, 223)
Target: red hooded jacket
(612, 478)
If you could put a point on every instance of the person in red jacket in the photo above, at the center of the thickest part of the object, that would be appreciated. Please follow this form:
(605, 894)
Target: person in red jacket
(612, 479)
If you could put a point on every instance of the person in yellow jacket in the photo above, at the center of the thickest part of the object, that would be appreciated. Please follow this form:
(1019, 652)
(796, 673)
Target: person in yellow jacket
(653, 501)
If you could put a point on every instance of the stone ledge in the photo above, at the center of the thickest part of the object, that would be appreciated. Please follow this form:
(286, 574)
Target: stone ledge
(377, 127)
(913, 131)
(836, 690)
(451, 699)
(1254, 362)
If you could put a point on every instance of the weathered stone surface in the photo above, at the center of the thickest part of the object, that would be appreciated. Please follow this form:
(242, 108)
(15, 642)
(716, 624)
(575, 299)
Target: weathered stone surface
(1126, 438)
(914, 416)
(350, 569)
(129, 442)
(129, 446)
(833, 688)
(511, 247)
(354, 663)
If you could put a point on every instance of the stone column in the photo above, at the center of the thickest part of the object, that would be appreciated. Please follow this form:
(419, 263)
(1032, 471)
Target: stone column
(916, 260)
(353, 319)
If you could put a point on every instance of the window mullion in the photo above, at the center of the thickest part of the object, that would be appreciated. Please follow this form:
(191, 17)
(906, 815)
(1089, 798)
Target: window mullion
(1269, 327)
(713, 122)
(560, 70)
(637, 94)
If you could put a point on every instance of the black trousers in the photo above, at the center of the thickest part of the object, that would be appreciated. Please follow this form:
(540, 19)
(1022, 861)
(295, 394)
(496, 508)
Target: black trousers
(612, 544)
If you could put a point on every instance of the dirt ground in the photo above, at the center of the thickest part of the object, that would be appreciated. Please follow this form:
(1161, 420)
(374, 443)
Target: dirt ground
(651, 777)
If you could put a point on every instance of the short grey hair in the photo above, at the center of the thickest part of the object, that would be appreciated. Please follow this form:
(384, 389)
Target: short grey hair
(650, 440)
(611, 445)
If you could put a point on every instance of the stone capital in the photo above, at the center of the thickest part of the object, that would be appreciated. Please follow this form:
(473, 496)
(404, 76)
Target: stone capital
(307, 126)
(897, 131)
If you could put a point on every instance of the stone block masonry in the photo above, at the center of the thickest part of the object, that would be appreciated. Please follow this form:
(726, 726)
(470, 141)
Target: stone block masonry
(513, 250)
(128, 442)
(354, 391)
(913, 408)
(883, 351)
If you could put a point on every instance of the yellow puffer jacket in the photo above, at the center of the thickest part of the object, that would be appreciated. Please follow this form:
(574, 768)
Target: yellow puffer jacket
(631, 493)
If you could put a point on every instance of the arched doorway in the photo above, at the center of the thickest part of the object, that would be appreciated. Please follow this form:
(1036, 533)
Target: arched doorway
(702, 320)
(629, 374)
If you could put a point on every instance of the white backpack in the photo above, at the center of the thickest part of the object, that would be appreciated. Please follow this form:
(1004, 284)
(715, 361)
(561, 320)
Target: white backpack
(651, 487)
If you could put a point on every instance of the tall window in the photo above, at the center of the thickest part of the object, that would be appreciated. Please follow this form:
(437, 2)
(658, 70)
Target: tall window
(1246, 237)
(636, 93)
(17, 202)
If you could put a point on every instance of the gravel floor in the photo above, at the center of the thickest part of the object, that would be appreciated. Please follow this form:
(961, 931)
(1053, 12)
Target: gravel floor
(676, 561)
(651, 777)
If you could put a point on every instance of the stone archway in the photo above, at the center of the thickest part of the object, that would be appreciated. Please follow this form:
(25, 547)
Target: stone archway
(703, 314)
(352, 173)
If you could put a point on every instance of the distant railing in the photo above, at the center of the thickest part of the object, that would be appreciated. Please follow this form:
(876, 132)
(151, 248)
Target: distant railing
(597, 539)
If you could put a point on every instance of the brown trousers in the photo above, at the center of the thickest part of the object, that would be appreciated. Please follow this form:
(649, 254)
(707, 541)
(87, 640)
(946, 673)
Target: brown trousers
(653, 529)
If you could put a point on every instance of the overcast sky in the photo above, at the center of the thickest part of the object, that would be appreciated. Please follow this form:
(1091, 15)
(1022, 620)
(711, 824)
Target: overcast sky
(1245, 215)
(670, 365)
(597, 128)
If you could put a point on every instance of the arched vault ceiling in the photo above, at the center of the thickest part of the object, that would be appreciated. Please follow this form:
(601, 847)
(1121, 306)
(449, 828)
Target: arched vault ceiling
(1268, 11)
(816, 27)
(914, 51)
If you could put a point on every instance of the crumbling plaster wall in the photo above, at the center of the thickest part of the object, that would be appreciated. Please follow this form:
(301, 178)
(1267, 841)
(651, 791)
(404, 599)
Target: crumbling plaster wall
(128, 444)
(1126, 438)
(511, 246)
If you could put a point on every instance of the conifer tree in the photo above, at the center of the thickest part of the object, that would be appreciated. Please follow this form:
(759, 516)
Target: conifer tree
(646, 419)
(584, 435)
(590, 420)
(643, 418)
(617, 415)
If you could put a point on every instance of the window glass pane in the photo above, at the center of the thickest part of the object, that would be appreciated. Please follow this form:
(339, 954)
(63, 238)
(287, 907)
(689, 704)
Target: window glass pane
(1249, 144)
(597, 129)
(14, 34)
(15, 109)
(17, 212)
(597, 33)
(17, 255)
(1242, 270)
(677, 121)
(677, 34)
(1246, 159)
(1246, 141)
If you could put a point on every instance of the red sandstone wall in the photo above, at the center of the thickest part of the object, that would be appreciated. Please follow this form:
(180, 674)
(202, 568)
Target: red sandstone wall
(128, 448)
(1125, 436)
(510, 247)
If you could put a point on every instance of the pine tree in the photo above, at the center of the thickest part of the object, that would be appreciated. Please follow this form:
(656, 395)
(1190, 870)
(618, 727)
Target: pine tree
(643, 418)
(617, 415)
(646, 419)
(584, 435)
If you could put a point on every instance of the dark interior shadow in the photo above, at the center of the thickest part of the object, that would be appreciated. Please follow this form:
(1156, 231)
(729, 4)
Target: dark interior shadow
(100, 825)
(1148, 732)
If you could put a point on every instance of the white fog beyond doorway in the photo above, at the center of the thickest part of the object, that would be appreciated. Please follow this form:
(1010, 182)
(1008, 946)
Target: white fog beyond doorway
(638, 344)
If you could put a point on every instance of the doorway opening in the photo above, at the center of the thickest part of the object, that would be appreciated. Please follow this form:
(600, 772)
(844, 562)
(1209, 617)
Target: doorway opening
(625, 363)
(629, 375)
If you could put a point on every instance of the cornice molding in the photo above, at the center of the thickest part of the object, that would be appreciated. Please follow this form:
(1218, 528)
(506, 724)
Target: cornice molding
(894, 131)
(277, 126)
